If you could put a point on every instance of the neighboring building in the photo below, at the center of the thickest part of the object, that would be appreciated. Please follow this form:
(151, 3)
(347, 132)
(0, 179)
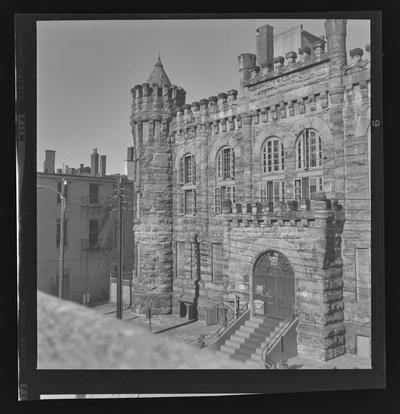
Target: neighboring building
(90, 232)
(264, 194)
(294, 39)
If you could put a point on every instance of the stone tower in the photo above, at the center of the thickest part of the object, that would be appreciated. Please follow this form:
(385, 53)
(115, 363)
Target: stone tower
(154, 103)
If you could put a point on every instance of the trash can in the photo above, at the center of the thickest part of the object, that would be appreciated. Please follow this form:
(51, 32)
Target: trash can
(211, 316)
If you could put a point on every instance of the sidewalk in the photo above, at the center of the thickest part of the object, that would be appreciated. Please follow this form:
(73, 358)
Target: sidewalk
(346, 361)
(173, 326)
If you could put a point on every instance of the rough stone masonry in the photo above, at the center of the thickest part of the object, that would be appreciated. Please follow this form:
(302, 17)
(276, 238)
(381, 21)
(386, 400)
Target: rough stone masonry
(275, 173)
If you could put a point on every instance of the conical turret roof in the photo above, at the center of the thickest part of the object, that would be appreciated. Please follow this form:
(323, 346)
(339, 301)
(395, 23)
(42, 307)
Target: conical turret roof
(158, 76)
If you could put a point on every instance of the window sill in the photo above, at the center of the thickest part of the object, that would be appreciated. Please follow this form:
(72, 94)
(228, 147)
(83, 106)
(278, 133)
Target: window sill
(311, 171)
(226, 181)
(188, 186)
(276, 175)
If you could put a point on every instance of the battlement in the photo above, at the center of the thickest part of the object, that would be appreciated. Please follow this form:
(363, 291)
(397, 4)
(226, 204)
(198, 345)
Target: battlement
(297, 213)
(223, 113)
(218, 113)
(147, 98)
(292, 62)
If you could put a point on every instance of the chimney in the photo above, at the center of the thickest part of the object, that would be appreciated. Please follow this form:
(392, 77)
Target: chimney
(94, 163)
(103, 159)
(265, 46)
(49, 162)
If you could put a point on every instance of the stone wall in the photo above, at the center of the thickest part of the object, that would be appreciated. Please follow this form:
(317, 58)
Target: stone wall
(320, 92)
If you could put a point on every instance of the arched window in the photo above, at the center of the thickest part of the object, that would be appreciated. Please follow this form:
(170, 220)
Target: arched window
(308, 150)
(225, 164)
(272, 156)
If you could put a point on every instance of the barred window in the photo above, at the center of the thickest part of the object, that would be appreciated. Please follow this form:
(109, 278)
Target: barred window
(225, 164)
(272, 191)
(307, 187)
(223, 193)
(308, 150)
(187, 169)
(273, 156)
(187, 202)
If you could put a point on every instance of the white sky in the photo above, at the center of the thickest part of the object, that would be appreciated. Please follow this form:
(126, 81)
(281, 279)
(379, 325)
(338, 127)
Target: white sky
(87, 68)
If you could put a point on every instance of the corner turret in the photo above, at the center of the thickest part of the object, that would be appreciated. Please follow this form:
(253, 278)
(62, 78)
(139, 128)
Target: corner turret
(154, 104)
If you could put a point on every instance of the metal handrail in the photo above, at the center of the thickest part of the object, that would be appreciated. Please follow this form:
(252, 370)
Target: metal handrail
(268, 346)
(228, 324)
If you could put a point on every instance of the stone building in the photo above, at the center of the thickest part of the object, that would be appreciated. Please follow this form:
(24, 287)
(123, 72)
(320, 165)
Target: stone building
(261, 193)
(90, 231)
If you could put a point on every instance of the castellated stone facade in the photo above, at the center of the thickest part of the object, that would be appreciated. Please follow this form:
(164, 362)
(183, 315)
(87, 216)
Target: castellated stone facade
(274, 178)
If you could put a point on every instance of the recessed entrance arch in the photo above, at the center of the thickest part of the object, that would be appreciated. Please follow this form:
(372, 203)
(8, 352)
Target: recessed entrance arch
(273, 286)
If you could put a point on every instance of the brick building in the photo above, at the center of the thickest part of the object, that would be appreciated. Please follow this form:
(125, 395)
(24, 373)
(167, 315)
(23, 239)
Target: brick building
(90, 230)
(262, 193)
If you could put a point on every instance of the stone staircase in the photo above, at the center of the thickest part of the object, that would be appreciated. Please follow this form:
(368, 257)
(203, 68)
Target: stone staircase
(247, 343)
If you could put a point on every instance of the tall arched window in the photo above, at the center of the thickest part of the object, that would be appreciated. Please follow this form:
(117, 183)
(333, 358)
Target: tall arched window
(272, 156)
(225, 176)
(225, 164)
(309, 180)
(308, 150)
(187, 180)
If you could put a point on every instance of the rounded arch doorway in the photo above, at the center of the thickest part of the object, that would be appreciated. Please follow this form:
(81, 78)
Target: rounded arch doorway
(273, 286)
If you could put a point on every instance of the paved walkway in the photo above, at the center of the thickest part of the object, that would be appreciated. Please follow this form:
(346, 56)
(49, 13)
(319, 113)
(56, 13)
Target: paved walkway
(346, 361)
(173, 326)
(188, 332)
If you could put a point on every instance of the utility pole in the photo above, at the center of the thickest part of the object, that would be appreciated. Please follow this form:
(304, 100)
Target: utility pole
(121, 248)
(62, 221)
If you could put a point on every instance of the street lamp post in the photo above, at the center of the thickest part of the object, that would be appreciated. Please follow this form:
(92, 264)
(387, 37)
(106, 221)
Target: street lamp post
(61, 260)
(62, 220)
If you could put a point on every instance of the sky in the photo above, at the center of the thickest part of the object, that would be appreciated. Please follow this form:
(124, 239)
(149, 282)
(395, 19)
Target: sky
(86, 69)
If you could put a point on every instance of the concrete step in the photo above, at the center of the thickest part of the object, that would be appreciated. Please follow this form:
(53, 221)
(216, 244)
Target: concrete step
(246, 328)
(237, 338)
(242, 333)
(228, 349)
(241, 356)
(253, 323)
(259, 336)
(233, 344)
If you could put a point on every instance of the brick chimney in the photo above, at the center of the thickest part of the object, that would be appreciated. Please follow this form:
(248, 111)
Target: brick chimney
(49, 162)
(94, 163)
(265, 46)
(103, 159)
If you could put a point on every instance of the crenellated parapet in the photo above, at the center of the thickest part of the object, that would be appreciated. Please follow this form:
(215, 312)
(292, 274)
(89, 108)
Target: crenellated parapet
(357, 76)
(216, 114)
(284, 65)
(293, 213)
(148, 100)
